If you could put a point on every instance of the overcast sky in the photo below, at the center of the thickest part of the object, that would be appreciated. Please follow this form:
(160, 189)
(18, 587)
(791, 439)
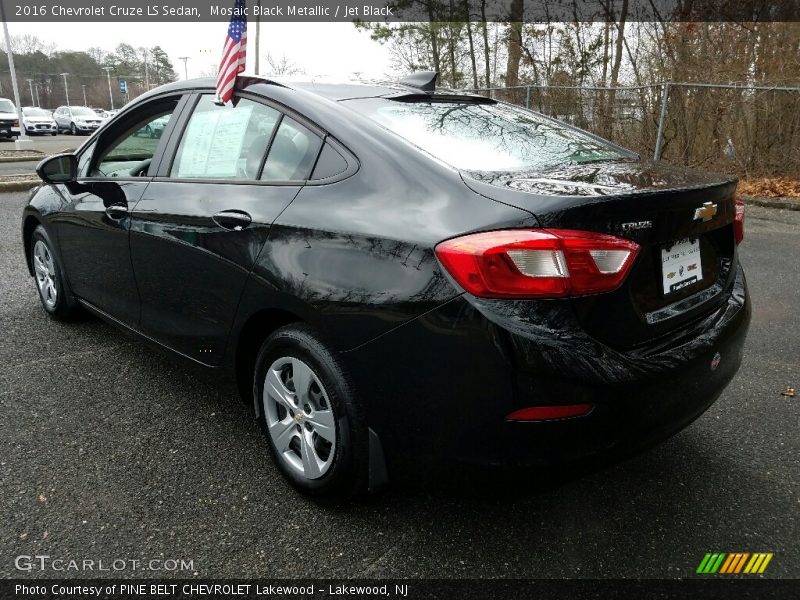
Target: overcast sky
(320, 49)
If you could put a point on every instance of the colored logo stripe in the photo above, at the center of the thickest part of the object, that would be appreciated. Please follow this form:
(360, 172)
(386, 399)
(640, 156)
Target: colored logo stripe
(758, 563)
(711, 562)
(734, 562)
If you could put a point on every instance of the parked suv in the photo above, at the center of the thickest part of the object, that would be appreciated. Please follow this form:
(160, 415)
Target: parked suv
(38, 121)
(9, 120)
(77, 119)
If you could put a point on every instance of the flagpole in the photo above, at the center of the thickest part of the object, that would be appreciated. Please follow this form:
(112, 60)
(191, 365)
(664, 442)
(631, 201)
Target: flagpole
(258, 36)
(233, 53)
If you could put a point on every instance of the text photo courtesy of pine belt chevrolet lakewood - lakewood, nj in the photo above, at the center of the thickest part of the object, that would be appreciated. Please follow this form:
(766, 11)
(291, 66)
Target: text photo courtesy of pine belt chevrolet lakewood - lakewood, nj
(452, 299)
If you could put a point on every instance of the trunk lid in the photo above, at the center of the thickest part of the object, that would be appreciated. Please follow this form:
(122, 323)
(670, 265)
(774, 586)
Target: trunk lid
(682, 219)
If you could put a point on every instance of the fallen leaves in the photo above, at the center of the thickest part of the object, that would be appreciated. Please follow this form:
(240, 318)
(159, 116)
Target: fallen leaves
(770, 187)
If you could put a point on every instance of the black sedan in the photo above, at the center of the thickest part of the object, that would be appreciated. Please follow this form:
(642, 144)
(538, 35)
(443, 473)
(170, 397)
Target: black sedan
(399, 278)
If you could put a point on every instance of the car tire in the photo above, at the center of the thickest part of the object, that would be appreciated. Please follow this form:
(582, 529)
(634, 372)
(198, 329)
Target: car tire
(73, 130)
(317, 436)
(48, 276)
(54, 133)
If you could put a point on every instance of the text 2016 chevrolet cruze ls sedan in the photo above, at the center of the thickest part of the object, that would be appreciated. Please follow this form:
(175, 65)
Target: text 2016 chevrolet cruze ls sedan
(399, 277)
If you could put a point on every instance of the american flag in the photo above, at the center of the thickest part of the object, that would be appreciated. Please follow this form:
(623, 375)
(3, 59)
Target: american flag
(234, 52)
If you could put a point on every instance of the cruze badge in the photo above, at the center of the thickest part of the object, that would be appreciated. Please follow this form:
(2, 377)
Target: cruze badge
(705, 212)
(637, 225)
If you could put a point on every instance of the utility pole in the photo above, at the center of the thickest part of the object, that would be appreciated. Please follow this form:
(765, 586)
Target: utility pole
(108, 75)
(146, 72)
(66, 87)
(258, 37)
(10, 54)
(84, 95)
(36, 87)
(185, 59)
(30, 84)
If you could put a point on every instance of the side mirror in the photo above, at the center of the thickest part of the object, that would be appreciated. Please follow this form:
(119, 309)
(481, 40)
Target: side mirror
(61, 168)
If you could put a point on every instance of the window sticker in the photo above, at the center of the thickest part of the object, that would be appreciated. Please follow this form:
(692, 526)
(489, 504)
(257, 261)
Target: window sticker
(213, 143)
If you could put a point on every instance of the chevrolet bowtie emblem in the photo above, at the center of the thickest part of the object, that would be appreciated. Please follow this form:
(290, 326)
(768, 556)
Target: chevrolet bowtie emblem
(705, 212)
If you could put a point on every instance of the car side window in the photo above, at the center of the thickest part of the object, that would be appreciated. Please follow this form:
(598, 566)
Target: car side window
(85, 160)
(292, 153)
(128, 149)
(329, 164)
(225, 142)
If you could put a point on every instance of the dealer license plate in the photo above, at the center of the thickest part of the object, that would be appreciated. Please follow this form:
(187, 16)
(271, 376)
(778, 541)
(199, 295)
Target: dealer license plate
(680, 265)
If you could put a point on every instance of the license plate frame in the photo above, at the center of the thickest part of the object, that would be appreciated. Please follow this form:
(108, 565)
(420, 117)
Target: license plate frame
(681, 266)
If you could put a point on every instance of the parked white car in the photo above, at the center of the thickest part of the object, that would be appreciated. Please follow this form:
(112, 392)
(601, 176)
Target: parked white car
(38, 121)
(9, 120)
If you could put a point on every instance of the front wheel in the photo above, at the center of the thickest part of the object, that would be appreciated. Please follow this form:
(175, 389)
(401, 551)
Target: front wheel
(310, 415)
(49, 277)
(73, 129)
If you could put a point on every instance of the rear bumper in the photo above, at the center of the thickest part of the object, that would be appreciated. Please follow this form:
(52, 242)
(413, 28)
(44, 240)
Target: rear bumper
(439, 387)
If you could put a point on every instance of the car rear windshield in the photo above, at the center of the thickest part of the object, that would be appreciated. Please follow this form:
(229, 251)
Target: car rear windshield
(7, 106)
(486, 137)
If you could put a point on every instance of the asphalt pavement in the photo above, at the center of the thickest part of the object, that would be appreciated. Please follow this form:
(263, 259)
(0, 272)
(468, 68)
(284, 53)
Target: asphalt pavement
(43, 143)
(49, 144)
(109, 451)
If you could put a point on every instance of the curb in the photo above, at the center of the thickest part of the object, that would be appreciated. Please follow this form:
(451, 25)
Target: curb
(772, 202)
(18, 186)
(29, 158)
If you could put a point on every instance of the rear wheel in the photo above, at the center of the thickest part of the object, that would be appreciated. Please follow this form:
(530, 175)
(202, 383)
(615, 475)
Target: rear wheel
(310, 415)
(49, 277)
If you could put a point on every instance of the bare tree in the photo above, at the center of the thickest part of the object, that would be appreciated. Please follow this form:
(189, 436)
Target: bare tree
(282, 67)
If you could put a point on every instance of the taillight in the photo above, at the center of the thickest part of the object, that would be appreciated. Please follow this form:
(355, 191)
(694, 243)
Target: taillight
(738, 223)
(537, 263)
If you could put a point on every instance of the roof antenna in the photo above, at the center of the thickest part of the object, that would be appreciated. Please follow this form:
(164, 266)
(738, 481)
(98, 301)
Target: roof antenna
(423, 80)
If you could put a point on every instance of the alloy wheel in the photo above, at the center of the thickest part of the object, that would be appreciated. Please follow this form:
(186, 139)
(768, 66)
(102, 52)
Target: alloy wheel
(299, 417)
(45, 270)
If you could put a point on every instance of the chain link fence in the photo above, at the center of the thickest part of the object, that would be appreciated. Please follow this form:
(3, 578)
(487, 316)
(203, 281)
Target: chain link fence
(749, 131)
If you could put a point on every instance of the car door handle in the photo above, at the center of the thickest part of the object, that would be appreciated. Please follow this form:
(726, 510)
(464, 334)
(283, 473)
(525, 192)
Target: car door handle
(235, 220)
(117, 211)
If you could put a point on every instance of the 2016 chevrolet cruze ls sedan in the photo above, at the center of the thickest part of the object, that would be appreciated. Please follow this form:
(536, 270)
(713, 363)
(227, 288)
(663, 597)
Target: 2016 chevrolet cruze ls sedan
(399, 277)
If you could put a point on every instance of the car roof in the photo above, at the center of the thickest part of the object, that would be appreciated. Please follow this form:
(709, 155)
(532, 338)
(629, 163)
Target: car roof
(335, 91)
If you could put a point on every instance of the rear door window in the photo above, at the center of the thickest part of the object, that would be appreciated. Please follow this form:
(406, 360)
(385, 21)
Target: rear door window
(225, 142)
(292, 154)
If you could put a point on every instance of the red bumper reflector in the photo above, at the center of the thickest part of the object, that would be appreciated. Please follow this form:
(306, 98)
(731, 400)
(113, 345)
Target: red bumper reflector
(548, 413)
